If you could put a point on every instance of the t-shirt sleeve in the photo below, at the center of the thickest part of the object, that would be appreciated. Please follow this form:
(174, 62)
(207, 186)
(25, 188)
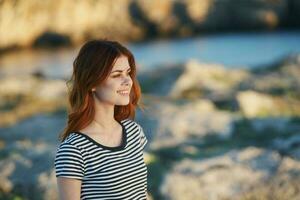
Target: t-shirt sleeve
(69, 162)
(143, 138)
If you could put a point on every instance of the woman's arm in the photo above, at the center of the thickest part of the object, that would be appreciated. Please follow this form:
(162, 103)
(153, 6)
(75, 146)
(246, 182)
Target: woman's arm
(68, 188)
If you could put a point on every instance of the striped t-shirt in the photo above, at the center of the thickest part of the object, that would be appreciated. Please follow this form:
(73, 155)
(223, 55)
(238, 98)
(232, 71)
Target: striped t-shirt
(106, 172)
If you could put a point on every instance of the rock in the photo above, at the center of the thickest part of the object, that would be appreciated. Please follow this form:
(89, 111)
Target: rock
(10, 172)
(225, 176)
(13, 86)
(210, 79)
(155, 81)
(31, 86)
(279, 79)
(290, 145)
(149, 158)
(26, 96)
(27, 158)
(24, 171)
(135, 20)
(51, 90)
(47, 183)
(6, 170)
(254, 104)
(289, 166)
(273, 90)
(155, 16)
(189, 123)
(285, 185)
(56, 17)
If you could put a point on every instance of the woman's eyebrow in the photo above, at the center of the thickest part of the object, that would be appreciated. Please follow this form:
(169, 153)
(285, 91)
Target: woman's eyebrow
(121, 70)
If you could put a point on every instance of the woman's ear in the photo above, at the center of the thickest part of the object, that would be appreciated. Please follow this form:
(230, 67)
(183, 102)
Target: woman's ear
(93, 89)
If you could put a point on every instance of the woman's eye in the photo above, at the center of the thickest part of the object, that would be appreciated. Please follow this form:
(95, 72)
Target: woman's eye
(128, 73)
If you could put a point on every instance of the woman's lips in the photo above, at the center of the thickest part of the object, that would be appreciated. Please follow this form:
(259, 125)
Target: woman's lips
(123, 92)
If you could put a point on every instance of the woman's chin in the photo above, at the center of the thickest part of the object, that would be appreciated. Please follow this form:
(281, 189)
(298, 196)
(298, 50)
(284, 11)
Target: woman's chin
(123, 103)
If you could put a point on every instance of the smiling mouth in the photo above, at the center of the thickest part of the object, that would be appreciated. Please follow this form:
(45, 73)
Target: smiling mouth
(123, 92)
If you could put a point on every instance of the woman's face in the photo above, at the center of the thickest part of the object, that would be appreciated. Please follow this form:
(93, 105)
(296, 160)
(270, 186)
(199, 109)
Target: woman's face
(116, 89)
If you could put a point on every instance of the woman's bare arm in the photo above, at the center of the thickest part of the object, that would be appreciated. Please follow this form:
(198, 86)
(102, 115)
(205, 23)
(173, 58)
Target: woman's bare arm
(68, 188)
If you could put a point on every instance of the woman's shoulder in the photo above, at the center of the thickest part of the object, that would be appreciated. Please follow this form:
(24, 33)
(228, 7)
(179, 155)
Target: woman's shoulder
(71, 142)
(133, 126)
(131, 122)
(138, 131)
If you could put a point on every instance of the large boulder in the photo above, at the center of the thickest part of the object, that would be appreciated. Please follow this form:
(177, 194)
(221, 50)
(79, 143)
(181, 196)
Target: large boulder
(226, 176)
(207, 79)
(255, 104)
(189, 122)
(281, 78)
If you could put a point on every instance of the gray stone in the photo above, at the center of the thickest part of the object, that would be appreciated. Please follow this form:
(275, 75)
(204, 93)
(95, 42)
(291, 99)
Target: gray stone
(189, 122)
(225, 176)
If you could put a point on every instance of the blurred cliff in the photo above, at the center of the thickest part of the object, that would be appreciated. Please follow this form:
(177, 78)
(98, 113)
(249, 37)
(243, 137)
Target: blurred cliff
(65, 22)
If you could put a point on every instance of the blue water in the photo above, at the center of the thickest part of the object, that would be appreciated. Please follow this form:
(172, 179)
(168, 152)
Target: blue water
(233, 50)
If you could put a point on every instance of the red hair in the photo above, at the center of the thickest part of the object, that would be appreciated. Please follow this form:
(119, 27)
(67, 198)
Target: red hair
(91, 67)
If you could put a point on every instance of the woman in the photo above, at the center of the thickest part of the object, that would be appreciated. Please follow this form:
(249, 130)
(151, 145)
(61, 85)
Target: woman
(101, 154)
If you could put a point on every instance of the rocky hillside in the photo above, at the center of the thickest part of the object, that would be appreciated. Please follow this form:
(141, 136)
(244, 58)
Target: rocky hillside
(65, 22)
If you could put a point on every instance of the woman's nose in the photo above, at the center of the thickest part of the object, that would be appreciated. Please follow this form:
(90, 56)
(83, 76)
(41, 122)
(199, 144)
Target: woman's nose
(127, 80)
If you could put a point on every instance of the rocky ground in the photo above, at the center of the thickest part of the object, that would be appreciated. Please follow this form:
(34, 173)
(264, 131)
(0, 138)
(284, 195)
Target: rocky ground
(216, 133)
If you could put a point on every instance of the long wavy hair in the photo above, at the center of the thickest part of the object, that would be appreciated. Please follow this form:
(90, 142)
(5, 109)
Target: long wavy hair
(91, 67)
